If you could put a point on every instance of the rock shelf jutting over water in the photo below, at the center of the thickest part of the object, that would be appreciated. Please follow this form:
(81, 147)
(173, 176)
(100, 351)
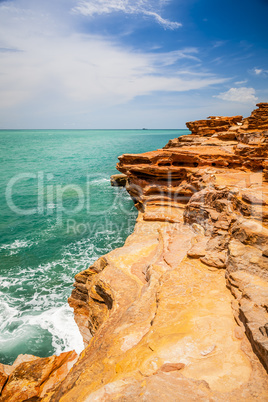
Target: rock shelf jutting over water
(180, 312)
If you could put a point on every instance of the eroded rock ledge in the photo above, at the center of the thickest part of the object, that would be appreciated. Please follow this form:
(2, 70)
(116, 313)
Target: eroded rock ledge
(180, 312)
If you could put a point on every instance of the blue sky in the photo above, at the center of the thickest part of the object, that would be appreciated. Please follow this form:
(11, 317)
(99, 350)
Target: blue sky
(130, 63)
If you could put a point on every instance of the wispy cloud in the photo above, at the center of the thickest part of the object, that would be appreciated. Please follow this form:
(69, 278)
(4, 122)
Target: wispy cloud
(243, 95)
(219, 43)
(260, 71)
(60, 72)
(86, 68)
(241, 82)
(142, 7)
(6, 49)
(170, 58)
(77, 70)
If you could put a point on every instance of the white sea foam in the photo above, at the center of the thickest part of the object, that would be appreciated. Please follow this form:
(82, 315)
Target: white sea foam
(6, 282)
(14, 247)
(17, 327)
(99, 181)
(7, 313)
(51, 205)
(59, 321)
(80, 254)
(24, 318)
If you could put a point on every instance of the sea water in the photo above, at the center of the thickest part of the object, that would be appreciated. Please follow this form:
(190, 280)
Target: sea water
(58, 215)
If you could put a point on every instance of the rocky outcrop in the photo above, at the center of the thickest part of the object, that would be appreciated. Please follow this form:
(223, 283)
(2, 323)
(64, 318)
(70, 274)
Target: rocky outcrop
(180, 312)
(91, 300)
(118, 180)
(258, 119)
(32, 378)
(213, 124)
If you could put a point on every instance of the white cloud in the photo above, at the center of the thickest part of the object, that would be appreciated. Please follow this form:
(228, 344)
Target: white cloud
(83, 68)
(57, 74)
(143, 7)
(89, 69)
(243, 95)
(241, 82)
(219, 43)
(258, 71)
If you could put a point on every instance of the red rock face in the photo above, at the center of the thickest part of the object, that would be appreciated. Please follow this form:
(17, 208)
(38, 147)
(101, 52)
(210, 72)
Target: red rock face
(213, 125)
(186, 164)
(259, 117)
(258, 120)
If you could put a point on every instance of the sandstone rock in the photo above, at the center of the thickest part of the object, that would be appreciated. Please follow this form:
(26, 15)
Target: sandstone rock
(5, 371)
(254, 198)
(25, 380)
(258, 118)
(212, 125)
(23, 359)
(31, 377)
(216, 259)
(196, 252)
(181, 314)
(252, 296)
(264, 330)
(265, 252)
(62, 365)
(167, 367)
(199, 245)
(118, 180)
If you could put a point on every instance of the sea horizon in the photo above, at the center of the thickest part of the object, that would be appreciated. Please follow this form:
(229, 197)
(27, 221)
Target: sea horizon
(93, 129)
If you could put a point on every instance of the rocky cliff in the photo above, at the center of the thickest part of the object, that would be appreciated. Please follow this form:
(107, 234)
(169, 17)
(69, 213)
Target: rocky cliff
(180, 312)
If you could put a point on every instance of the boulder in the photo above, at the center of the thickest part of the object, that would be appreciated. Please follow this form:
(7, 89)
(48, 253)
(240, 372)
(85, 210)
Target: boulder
(118, 180)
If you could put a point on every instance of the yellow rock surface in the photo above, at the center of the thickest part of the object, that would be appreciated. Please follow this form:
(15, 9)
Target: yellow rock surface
(180, 315)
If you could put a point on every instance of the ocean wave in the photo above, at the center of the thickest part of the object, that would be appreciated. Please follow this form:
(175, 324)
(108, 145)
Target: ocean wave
(6, 282)
(35, 315)
(61, 325)
(7, 313)
(51, 229)
(14, 247)
(100, 180)
(55, 326)
(81, 253)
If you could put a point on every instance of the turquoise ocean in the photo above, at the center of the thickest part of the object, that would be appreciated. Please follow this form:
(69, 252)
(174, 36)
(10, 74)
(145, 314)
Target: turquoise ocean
(58, 215)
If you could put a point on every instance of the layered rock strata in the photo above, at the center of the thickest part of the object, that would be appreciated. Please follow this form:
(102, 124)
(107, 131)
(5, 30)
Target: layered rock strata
(180, 312)
(213, 125)
(258, 119)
